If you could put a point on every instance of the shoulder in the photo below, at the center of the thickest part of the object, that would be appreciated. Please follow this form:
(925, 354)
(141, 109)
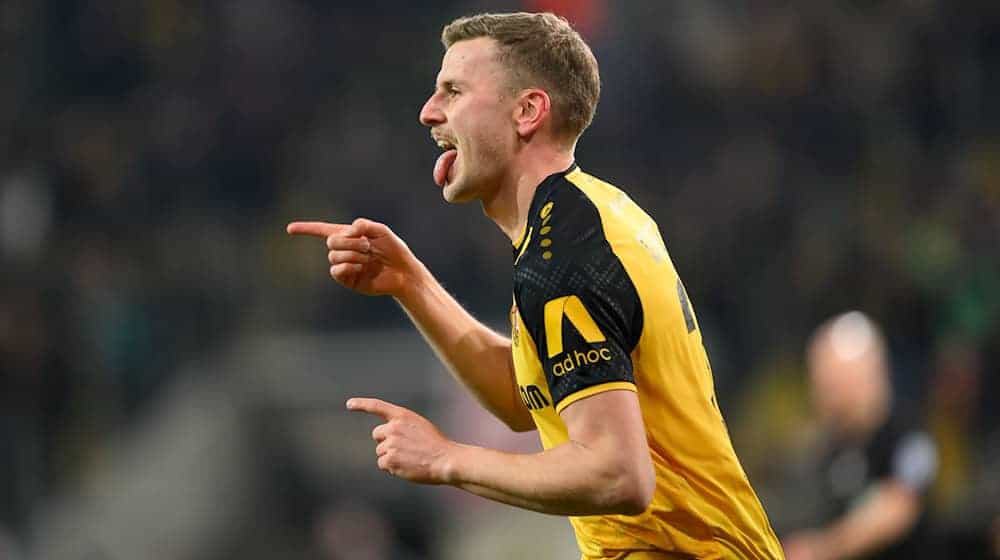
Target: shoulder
(576, 214)
(566, 247)
(566, 256)
(566, 215)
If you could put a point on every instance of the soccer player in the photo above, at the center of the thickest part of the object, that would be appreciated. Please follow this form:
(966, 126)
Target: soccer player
(605, 358)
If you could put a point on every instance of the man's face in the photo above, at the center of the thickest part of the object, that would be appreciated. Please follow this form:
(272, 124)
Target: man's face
(831, 387)
(844, 389)
(471, 115)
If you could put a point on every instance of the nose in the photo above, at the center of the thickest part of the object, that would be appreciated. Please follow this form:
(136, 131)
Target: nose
(430, 114)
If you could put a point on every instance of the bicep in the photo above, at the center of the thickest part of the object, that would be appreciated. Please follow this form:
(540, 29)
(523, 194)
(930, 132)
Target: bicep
(610, 423)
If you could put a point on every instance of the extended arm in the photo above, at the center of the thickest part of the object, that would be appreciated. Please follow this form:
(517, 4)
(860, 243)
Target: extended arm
(369, 258)
(476, 355)
(604, 467)
(885, 517)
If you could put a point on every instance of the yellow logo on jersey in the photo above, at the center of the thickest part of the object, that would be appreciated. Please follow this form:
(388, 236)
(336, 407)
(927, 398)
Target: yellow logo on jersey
(577, 359)
(546, 210)
(572, 308)
(533, 397)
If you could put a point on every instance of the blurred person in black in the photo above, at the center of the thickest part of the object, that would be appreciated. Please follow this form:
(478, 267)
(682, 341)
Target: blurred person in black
(876, 463)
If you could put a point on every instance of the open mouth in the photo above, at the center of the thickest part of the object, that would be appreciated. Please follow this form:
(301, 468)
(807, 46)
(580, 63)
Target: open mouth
(445, 162)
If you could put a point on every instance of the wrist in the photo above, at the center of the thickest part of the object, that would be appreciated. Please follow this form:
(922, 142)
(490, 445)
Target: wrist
(412, 286)
(453, 471)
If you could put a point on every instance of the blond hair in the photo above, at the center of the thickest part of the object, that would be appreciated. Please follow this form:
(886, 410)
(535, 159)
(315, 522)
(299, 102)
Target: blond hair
(544, 51)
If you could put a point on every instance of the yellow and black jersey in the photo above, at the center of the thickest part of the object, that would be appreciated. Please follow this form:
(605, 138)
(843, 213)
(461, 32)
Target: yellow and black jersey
(598, 306)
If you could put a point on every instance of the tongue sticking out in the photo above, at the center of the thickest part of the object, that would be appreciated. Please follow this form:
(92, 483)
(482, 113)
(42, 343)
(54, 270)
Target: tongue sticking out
(442, 169)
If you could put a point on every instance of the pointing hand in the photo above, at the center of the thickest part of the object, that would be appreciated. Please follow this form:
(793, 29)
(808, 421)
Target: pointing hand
(364, 256)
(409, 446)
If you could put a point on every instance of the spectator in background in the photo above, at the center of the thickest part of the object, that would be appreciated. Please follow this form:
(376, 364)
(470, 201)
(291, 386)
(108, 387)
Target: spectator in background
(876, 463)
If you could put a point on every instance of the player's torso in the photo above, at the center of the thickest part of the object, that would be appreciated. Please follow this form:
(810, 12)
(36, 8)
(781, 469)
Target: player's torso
(561, 352)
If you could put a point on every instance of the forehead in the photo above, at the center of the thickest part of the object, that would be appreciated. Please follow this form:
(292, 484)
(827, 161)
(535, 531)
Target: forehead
(470, 60)
(831, 370)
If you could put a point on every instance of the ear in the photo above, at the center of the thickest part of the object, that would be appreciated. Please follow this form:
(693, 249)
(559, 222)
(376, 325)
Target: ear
(533, 109)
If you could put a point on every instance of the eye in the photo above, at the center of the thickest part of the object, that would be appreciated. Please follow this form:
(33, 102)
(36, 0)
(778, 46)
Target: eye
(452, 92)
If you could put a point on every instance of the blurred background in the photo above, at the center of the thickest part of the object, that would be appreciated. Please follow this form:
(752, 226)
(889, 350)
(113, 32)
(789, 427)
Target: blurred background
(173, 367)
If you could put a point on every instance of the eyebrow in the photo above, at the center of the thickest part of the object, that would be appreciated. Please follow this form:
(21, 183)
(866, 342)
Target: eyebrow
(448, 84)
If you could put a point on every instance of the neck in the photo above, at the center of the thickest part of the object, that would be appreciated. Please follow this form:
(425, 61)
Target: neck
(509, 205)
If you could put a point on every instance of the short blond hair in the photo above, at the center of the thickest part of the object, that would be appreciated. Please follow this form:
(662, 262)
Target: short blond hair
(544, 51)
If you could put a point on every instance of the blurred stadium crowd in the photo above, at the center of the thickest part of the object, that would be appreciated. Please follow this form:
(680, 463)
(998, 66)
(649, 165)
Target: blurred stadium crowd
(802, 159)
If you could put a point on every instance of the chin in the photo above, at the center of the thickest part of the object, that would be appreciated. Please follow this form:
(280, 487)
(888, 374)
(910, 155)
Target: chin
(458, 193)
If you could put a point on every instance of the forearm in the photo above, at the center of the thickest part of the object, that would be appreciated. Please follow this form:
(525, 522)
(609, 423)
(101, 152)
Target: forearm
(570, 479)
(883, 519)
(475, 355)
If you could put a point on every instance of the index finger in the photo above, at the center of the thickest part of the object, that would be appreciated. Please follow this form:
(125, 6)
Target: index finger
(315, 229)
(387, 411)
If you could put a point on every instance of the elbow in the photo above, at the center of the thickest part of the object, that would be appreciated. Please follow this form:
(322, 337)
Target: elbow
(632, 490)
(637, 498)
(642, 498)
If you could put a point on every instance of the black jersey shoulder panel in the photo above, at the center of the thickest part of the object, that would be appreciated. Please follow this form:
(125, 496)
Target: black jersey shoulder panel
(567, 256)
